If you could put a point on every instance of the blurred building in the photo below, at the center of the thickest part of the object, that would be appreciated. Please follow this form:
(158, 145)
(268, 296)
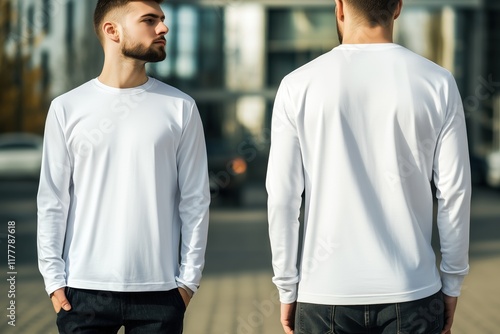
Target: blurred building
(230, 55)
(53, 48)
(58, 37)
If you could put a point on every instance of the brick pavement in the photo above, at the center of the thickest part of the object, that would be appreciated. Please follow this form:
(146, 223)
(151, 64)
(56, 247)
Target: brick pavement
(245, 302)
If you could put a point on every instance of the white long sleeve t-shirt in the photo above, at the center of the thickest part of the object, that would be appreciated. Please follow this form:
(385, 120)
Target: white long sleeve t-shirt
(364, 129)
(124, 175)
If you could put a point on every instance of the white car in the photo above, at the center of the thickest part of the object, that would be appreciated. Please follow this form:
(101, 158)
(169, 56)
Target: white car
(493, 169)
(20, 155)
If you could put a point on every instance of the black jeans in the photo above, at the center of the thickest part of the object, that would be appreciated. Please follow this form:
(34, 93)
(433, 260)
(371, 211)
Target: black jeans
(424, 316)
(105, 312)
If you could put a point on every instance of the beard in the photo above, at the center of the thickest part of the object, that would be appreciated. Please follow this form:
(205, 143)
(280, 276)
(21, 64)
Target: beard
(140, 52)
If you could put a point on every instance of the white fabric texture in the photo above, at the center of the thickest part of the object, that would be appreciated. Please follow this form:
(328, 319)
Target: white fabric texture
(363, 130)
(124, 174)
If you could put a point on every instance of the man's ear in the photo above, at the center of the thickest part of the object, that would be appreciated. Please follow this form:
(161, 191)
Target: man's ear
(399, 7)
(339, 10)
(110, 31)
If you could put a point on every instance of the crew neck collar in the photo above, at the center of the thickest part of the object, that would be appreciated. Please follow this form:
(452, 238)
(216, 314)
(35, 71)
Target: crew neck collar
(127, 91)
(368, 46)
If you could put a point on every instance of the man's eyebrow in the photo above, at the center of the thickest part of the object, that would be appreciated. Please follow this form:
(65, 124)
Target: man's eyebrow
(156, 16)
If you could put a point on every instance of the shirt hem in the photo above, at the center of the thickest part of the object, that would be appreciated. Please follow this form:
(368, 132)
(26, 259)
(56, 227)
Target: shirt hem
(122, 287)
(325, 299)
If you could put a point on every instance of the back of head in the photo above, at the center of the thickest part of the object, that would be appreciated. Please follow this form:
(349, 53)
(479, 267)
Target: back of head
(375, 12)
(104, 7)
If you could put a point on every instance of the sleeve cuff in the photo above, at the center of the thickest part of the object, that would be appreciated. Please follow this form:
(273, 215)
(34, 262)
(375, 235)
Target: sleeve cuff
(53, 287)
(452, 284)
(288, 294)
(187, 285)
(188, 290)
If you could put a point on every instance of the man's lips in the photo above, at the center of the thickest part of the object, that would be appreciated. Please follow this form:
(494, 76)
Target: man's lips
(160, 41)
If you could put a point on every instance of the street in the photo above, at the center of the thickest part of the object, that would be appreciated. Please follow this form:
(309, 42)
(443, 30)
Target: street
(236, 295)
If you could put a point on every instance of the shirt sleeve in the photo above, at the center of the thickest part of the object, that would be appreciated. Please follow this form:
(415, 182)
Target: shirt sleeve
(53, 204)
(194, 201)
(285, 185)
(453, 183)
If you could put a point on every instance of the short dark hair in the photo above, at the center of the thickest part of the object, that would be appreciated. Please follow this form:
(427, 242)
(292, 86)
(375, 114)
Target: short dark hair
(376, 12)
(103, 7)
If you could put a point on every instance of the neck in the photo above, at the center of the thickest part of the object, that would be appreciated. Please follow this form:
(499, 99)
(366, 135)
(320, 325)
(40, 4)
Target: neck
(121, 72)
(362, 34)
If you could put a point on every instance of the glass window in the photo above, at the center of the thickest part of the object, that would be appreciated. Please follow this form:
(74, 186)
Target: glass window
(7, 17)
(47, 16)
(70, 35)
(210, 50)
(69, 25)
(297, 36)
(30, 27)
(45, 70)
(493, 51)
(194, 48)
(187, 33)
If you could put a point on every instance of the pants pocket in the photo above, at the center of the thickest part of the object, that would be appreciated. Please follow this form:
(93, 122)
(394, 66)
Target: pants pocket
(179, 299)
(424, 316)
(314, 318)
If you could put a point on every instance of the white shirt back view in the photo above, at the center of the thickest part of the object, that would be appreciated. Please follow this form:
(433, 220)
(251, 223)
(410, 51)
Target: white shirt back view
(363, 130)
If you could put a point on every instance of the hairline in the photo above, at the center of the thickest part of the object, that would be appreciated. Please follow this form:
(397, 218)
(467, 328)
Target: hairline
(371, 17)
(123, 8)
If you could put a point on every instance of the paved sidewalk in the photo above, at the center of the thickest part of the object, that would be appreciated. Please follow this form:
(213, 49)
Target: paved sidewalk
(479, 306)
(244, 301)
(247, 304)
(234, 301)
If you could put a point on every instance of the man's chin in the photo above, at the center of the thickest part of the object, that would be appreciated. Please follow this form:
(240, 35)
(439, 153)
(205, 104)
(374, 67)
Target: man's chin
(158, 59)
(152, 55)
(157, 55)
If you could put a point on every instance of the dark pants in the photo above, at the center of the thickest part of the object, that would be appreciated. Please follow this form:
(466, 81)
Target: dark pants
(424, 316)
(99, 312)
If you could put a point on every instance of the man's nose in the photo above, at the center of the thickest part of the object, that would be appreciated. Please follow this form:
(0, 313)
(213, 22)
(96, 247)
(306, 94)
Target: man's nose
(162, 29)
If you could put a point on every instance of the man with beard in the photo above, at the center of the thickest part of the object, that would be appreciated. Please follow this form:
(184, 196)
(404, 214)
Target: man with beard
(123, 196)
(364, 130)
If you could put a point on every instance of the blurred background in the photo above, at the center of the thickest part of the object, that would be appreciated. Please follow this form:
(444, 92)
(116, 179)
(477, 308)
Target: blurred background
(230, 56)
